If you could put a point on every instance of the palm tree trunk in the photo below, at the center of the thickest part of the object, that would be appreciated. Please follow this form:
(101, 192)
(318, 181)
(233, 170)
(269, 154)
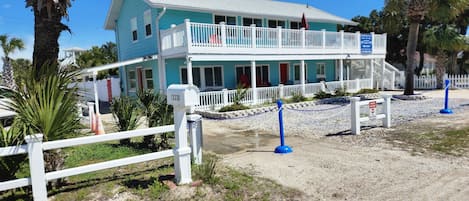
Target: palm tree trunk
(411, 45)
(8, 79)
(46, 34)
(441, 59)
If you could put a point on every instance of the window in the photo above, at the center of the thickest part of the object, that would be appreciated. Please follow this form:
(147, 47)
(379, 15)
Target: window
(147, 22)
(229, 20)
(204, 77)
(295, 25)
(133, 28)
(276, 23)
(320, 70)
(243, 74)
(132, 78)
(148, 79)
(248, 21)
(297, 70)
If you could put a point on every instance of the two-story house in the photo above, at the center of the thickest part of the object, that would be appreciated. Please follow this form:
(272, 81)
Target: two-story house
(219, 44)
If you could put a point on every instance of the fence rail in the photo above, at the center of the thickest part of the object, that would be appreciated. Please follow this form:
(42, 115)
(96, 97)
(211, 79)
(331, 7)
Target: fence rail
(431, 81)
(213, 100)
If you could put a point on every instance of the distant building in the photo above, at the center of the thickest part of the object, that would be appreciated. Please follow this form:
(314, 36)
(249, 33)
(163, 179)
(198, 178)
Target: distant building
(70, 57)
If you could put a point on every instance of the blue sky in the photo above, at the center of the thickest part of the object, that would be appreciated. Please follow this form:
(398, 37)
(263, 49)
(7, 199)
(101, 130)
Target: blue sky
(87, 20)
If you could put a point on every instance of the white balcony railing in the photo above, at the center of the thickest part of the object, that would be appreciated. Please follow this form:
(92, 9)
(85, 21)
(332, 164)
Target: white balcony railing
(193, 37)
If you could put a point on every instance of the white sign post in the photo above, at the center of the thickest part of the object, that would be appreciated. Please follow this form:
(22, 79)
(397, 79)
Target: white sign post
(356, 119)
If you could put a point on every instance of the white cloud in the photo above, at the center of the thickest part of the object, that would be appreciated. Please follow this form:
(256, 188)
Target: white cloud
(6, 6)
(26, 53)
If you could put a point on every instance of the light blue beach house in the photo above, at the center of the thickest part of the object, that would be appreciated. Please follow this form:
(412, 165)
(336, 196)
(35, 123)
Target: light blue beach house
(261, 44)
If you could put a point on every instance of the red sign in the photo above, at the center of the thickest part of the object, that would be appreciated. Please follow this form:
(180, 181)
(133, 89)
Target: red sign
(372, 104)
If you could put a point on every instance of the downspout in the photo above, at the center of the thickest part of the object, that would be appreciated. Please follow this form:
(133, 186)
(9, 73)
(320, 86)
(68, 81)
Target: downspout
(161, 63)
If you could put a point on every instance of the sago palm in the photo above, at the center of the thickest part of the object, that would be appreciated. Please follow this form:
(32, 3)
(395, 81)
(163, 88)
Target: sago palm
(9, 46)
(11, 164)
(47, 106)
(126, 115)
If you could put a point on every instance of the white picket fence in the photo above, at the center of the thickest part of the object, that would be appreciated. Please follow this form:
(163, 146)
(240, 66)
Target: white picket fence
(86, 89)
(213, 100)
(39, 178)
(430, 81)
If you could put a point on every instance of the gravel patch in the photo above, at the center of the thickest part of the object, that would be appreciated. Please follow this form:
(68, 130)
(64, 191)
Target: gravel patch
(334, 119)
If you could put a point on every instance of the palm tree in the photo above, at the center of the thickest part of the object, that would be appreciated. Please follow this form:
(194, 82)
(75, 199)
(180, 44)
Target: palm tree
(48, 15)
(9, 46)
(444, 39)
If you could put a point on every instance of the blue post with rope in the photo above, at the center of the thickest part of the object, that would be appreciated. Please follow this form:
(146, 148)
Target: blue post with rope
(282, 149)
(446, 110)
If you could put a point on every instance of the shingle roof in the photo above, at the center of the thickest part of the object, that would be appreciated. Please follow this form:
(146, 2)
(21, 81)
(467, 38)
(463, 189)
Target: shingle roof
(264, 8)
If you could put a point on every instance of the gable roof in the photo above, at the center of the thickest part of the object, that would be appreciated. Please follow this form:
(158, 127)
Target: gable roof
(265, 8)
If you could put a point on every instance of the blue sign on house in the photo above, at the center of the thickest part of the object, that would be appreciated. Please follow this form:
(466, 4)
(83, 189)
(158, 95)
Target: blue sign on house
(366, 44)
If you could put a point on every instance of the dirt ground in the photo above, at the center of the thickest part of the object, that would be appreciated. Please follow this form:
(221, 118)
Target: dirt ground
(376, 165)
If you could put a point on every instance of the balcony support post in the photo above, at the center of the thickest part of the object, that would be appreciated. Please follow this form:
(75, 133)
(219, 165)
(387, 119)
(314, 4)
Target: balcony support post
(189, 71)
(302, 77)
(303, 38)
(323, 38)
(341, 72)
(253, 82)
(279, 37)
(253, 35)
(223, 34)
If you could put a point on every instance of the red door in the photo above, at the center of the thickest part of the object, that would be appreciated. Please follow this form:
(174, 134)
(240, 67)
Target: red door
(283, 73)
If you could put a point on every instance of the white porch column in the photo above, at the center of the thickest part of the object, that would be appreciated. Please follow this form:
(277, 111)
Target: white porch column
(372, 69)
(96, 97)
(162, 73)
(302, 77)
(341, 72)
(189, 71)
(382, 75)
(253, 81)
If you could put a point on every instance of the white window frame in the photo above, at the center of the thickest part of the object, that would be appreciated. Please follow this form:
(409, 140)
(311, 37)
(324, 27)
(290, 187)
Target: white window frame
(236, 18)
(276, 23)
(203, 85)
(145, 79)
(133, 27)
(147, 20)
(299, 72)
(257, 66)
(130, 79)
(252, 21)
(318, 66)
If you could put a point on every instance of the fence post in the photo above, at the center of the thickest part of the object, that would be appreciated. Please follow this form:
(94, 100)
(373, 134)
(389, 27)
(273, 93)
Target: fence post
(355, 104)
(387, 110)
(281, 93)
(223, 34)
(196, 137)
(253, 36)
(225, 97)
(36, 166)
(91, 114)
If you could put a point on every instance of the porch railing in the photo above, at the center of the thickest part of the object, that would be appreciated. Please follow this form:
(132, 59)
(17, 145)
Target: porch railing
(213, 100)
(192, 37)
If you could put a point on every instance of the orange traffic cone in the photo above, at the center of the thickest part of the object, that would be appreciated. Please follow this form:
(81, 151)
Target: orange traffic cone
(99, 126)
(93, 122)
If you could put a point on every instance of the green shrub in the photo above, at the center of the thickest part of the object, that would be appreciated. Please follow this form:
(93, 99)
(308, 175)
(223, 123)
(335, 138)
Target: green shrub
(342, 91)
(297, 97)
(240, 94)
(11, 164)
(233, 107)
(367, 91)
(322, 95)
(126, 115)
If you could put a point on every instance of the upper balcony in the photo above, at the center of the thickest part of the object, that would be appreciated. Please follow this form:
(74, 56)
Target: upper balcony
(199, 38)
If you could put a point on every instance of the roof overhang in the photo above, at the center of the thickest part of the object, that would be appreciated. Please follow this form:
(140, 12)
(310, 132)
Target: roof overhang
(95, 70)
(265, 8)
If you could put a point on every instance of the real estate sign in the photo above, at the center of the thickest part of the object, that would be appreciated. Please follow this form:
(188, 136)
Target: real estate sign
(366, 43)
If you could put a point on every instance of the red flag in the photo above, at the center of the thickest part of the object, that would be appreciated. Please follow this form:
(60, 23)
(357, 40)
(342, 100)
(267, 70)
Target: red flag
(304, 23)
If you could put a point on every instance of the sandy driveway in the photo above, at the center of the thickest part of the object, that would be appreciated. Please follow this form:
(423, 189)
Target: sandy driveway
(365, 167)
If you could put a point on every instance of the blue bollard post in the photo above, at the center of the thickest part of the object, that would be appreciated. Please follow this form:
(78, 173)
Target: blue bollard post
(282, 149)
(446, 110)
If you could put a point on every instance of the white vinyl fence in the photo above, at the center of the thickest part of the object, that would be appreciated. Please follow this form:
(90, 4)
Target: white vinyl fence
(213, 100)
(430, 81)
(86, 89)
(39, 178)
